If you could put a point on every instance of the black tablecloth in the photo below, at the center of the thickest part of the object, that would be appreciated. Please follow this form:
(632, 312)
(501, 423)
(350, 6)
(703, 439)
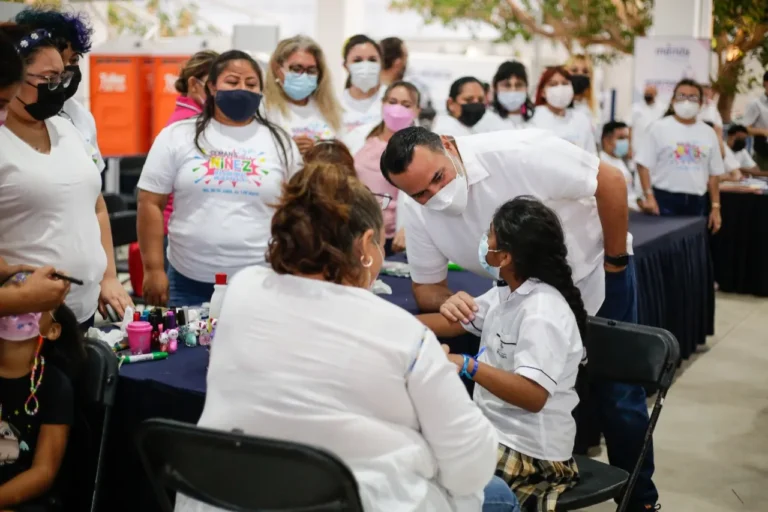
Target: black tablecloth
(740, 249)
(675, 292)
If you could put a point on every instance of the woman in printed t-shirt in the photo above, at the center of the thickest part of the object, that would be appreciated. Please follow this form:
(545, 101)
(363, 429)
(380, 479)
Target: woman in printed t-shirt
(467, 113)
(298, 94)
(555, 112)
(680, 160)
(225, 168)
(361, 98)
(367, 143)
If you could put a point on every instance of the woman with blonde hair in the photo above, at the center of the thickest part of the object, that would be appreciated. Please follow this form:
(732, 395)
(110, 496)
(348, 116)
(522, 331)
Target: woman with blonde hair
(298, 94)
(582, 78)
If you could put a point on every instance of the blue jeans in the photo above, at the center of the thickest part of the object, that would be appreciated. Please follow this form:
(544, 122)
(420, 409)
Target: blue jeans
(621, 408)
(499, 497)
(183, 291)
(675, 203)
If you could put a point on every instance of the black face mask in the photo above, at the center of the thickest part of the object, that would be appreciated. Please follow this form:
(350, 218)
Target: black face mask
(49, 103)
(77, 77)
(738, 145)
(580, 83)
(471, 113)
(648, 98)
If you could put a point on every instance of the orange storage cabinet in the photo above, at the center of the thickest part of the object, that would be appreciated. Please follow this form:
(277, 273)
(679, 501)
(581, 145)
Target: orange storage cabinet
(165, 71)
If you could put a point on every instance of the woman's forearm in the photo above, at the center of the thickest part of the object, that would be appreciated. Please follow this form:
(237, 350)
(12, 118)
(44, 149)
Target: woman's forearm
(25, 486)
(106, 236)
(151, 233)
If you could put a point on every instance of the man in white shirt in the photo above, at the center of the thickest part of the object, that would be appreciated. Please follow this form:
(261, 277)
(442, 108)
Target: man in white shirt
(737, 153)
(455, 187)
(755, 118)
(643, 115)
(615, 148)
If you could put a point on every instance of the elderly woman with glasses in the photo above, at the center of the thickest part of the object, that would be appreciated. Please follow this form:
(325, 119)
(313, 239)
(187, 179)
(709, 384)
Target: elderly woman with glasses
(52, 212)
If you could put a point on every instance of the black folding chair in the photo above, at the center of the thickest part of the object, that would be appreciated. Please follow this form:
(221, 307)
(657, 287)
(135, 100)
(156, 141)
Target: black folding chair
(115, 202)
(632, 354)
(95, 390)
(241, 473)
(123, 224)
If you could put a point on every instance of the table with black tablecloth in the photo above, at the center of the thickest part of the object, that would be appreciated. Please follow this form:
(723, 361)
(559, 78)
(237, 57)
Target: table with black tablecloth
(675, 288)
(740, 249)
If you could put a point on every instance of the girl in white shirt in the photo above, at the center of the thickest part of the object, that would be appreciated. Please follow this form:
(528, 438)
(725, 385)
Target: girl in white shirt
(225, 168)
(298, 94)
(530, 350)
(358, 376)
(555, 112)
(361, 98)
(510, 100)
(467, 113)
(52, 211)
(681, 160)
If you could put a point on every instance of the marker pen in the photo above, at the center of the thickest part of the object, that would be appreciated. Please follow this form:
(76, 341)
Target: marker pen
(154, 356)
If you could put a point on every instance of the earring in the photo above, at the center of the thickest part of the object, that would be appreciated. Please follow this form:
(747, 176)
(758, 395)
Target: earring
(368, 263)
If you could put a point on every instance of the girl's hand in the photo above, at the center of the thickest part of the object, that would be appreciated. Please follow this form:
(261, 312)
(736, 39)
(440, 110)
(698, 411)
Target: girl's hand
(155, 288)
(715, 220)
(456, 359)
(304, 143)
(460, 307)
(113, 293)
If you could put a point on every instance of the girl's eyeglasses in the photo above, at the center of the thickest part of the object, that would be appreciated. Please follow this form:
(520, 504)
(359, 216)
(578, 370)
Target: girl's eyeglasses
(383, 199)
(56, 81)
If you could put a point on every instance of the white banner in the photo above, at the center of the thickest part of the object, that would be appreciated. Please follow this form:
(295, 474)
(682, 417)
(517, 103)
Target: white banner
(664, 61)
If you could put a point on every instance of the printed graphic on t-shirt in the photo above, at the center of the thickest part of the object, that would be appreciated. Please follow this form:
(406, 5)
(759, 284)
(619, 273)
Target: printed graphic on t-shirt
(316, 131)
(688, 154)
(11, 444)
(222, 171)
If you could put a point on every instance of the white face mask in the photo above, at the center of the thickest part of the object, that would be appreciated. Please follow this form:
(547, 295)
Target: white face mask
(560, 96)
(365, 75)
(511, 100)
(452, 198)
(686, 109)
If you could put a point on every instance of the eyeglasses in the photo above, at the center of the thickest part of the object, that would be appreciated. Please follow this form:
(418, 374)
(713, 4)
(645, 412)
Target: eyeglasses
(688, 97)
(384, 200)
(300, 70)
(55, 81)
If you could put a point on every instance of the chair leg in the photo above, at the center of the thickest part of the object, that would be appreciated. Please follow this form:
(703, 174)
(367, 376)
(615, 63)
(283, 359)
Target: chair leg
(99, 460)
(627, 492)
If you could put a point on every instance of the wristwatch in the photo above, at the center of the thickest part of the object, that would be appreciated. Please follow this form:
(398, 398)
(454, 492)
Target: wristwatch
(621, 260)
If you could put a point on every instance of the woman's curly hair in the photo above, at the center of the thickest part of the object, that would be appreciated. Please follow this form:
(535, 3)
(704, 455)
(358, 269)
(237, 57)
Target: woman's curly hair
(66, 27)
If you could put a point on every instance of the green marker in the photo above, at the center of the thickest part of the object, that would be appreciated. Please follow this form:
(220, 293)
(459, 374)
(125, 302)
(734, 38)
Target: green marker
(154, 356)
(453, 266)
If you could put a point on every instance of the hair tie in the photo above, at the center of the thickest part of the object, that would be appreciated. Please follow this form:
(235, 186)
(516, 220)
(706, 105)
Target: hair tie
(30, 41)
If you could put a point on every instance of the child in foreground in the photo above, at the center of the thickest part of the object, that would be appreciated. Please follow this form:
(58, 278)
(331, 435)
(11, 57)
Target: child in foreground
(531, 327)
(36, 401)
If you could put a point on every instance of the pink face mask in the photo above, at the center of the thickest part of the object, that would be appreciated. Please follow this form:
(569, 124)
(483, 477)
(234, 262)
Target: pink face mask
(20, 327)
(396, 117)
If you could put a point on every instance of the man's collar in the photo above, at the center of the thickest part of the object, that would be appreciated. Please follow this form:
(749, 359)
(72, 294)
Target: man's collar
(474, 169)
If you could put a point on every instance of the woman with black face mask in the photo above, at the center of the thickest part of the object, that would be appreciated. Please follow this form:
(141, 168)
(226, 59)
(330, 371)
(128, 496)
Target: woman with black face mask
(467, 113)
(225, 169)
(584, 100)
(52, 212)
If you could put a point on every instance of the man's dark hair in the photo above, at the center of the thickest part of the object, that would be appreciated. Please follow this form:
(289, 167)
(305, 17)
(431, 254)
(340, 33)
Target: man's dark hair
(399, 152)
(610, 127)
(391, 49)
(737, 128)
(765, 77)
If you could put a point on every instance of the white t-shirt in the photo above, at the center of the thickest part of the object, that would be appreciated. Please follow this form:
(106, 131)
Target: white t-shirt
(48, 210)
(446, 124)
(222, 215)
(513, 122)
(622, 166)
(643, 116)
(531, 332)
(740, 160)
(303, 120)
(359, 377)
(756, 113)
(574, 127)
(710, 113)
(681, 157)
(595, 119)
(501, 166)
(83, 120)
(360, 112)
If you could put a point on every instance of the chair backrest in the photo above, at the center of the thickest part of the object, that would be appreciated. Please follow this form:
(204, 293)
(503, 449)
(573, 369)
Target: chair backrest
(115, 203)
(97, 383)
(123, 226)
(241, 473)
(631, 353)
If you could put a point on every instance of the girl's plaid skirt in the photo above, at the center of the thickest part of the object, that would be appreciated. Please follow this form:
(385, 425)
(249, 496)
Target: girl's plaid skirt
(535, 481)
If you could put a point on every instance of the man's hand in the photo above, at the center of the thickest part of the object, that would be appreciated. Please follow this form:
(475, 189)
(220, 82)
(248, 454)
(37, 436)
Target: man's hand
(715, 220)
(42, 292)
(113, 293)
(304, 143)
(650, 206)
(398, 243)
(461, 307)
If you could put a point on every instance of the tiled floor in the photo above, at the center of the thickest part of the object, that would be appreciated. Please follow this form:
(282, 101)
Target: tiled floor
(711, 441)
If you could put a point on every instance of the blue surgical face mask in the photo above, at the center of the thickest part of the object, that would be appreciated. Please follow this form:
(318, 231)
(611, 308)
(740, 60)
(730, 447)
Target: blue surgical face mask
(299, 87)
(622, 148)
(482, 254)
(238, 104)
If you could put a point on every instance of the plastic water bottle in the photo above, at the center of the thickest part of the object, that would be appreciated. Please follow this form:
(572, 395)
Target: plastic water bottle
(219, 289)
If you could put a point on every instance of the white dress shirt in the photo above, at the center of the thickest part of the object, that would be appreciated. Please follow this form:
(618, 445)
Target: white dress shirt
(337, 367)
(501, 166)
(628, 176)
(531, 332)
